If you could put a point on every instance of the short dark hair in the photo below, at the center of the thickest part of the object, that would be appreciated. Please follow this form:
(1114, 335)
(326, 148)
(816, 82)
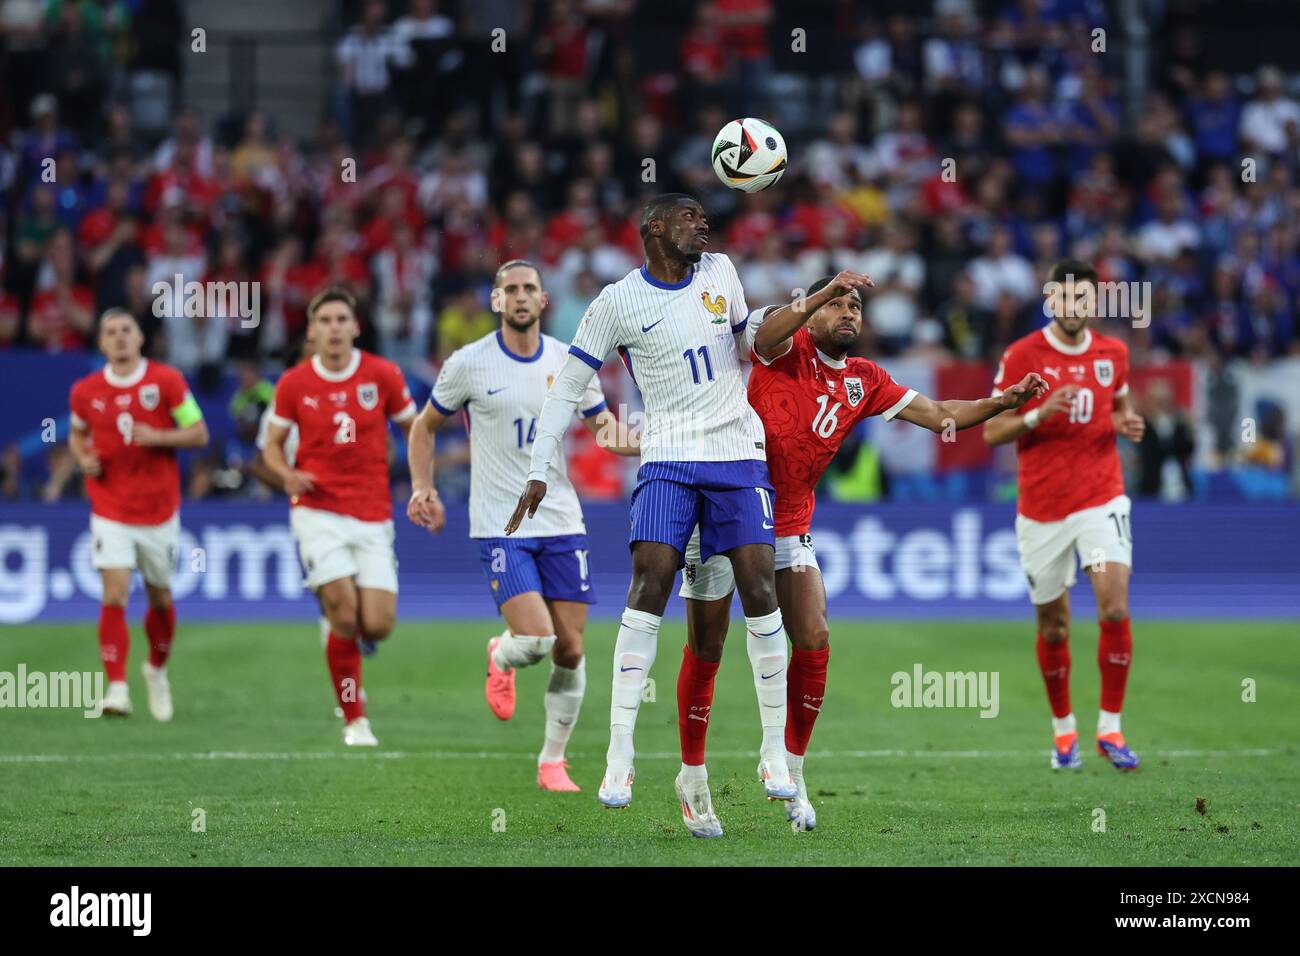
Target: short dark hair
(659, 206)
(1078, 269)
(514, 263)
(332, 294)
(115, 312)
(824, 282)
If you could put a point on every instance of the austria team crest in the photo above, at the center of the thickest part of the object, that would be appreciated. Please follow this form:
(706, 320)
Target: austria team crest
(1104, 369)
(149, 397)
(368, 395)
(853, 391)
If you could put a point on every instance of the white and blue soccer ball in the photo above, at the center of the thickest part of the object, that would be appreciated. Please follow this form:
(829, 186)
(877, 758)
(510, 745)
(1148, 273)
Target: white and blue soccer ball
(749, 154)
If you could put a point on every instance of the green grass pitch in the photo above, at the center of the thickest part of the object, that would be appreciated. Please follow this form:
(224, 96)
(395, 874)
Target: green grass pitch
(256, 747)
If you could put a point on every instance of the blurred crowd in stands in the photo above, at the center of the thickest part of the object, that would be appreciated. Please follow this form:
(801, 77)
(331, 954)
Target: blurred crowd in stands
(950, 149)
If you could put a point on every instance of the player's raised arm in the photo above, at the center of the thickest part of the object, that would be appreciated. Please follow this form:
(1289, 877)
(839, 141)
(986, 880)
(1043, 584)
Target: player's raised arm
(771, 339)
(1009, 426)
(557, 410)
(959, 414)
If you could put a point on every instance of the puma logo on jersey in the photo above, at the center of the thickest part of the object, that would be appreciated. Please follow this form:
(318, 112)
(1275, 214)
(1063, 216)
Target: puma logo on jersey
(311, 400)
(1052, 370)
(715, 306)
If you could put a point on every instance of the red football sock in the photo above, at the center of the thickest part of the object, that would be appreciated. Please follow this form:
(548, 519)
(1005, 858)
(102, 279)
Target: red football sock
(114, 641)
(694, 701)
(805, 690)
(1114, 651)
(160, 627)
(1054, 662)
(344, 658)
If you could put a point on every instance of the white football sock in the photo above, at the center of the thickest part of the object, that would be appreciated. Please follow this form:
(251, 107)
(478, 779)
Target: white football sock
(563, 701)
(690, 773)
(765, 642)
(521, 650)
(795, 763)
(634, 655)
(1063, 725)
(1107, 723)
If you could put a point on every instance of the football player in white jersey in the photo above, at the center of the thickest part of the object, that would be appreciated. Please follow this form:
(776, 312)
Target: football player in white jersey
(539, 580)
(675, 323)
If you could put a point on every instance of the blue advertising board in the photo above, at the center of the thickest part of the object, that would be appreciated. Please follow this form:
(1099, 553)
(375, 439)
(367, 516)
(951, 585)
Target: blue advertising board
(900, 560)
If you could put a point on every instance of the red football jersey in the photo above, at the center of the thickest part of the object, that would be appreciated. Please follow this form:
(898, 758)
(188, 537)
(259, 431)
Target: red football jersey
(1069, 462)
(342, 420)
(808, 405)
(136, 485)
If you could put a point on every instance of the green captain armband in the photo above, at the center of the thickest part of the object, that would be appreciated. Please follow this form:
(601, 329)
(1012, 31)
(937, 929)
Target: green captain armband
(187, 412)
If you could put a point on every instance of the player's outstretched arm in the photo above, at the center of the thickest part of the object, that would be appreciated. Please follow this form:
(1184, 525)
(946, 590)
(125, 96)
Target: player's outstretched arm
(957, 414)
(1009, 426)
(780, 325)
(557, 411)
(613, 435)
(424, 508)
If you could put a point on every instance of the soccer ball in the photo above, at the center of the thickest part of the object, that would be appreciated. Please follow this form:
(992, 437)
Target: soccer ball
(749, 154)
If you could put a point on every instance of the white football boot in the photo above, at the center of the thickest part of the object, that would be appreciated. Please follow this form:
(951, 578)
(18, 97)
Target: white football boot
(616, 788)
(160, 692)
(117, 700)
(775, 774)
(697, 806)
(357, 733)
(799, 811)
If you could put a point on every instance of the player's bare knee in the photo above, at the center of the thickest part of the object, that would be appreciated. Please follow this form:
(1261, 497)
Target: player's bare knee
(1114, 609)
(1055, 630)
(160, 599)
(814, 637)
(378, 625)
(567, 655)
(649, 592)
(757, 596)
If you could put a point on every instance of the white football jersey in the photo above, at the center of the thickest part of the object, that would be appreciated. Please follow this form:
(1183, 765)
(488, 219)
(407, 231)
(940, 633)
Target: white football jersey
(683, 346)
(502, 394)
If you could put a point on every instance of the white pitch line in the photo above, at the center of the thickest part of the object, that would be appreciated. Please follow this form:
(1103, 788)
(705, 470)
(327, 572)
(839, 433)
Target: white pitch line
(500, 755)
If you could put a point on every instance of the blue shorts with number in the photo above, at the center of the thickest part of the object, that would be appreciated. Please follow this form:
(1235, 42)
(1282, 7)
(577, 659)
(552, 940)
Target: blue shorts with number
(555, 567)
(731, 501)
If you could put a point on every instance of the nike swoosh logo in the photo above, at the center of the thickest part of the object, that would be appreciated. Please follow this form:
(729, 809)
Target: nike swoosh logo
(586, 587)
(623, 669)
(771, 675)
(647, 328)
(563, 723)
(766, 526)
(773, 706)
(493, 391)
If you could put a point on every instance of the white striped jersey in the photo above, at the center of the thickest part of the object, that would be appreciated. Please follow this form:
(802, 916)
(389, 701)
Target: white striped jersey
(679, 342)
(502, 394)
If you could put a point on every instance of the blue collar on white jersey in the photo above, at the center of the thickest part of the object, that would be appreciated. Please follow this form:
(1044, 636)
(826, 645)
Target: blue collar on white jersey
(670, 286)
(541, 346)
